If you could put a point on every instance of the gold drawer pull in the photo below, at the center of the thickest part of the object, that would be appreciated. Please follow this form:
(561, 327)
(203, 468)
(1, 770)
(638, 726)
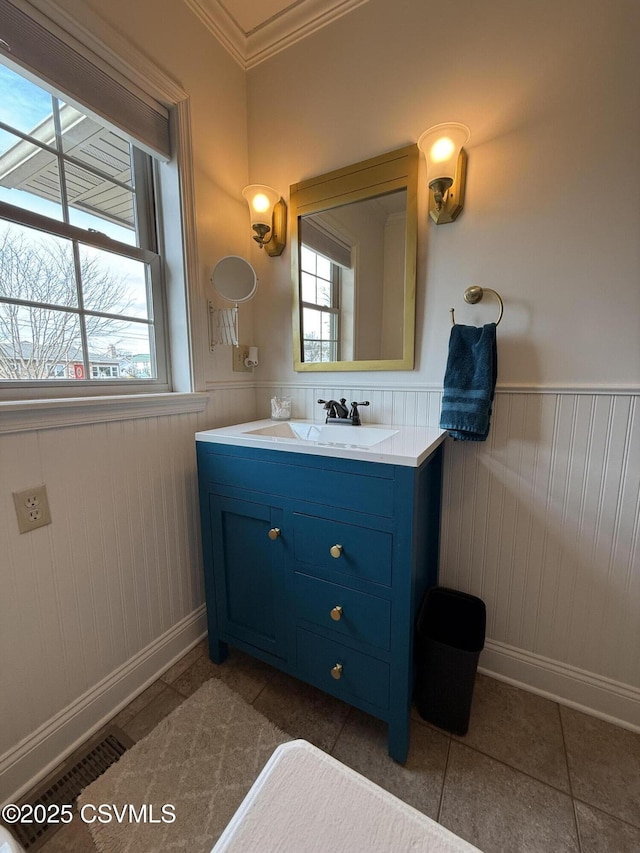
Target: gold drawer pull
(274, 533)
(336, 613)
(336, 551)
(336, 671)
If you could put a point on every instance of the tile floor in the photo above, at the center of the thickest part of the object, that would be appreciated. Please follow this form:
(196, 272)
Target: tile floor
(530, 775)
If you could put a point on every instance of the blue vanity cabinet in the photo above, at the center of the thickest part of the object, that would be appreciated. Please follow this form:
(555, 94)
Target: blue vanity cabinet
(318, 564)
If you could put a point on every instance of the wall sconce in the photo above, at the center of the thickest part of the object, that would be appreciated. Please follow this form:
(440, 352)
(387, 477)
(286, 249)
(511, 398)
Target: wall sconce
(268, 217)
(446, 169)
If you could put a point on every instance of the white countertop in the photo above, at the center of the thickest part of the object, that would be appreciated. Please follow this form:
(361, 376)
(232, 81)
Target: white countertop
(407, 446)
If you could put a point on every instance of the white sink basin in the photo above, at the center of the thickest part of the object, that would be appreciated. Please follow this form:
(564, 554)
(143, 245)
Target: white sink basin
(339, 434)
(396, 445)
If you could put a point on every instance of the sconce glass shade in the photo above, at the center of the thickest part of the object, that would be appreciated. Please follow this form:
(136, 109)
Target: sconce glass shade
(446, 169)
(268, 213)
(261, 200)
(441, 146)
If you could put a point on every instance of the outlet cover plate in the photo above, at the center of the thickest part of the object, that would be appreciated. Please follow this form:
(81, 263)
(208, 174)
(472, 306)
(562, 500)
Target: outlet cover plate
(238, 355)
(32, 508)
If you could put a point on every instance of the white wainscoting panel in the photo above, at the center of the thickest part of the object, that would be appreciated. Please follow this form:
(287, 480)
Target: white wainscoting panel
(118, 568)
(542, 522)
(388, 405)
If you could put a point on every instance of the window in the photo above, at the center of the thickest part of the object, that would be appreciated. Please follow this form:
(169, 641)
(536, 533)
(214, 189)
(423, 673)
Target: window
(81, 296)
(320, 287)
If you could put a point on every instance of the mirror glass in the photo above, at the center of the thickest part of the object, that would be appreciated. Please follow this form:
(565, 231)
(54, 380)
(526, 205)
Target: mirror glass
(234, 279)
(353, 267)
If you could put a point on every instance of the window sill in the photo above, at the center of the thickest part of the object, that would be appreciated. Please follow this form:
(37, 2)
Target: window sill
(25, 415)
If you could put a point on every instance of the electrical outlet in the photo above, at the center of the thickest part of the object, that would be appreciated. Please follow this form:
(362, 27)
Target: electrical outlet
(32, 508)
(238, 355)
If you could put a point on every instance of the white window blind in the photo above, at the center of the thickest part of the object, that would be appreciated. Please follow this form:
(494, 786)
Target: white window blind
(33, 45)
(314, 236)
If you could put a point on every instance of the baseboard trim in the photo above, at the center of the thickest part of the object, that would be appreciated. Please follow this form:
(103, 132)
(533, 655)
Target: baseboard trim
(33, 758)
(592, 694)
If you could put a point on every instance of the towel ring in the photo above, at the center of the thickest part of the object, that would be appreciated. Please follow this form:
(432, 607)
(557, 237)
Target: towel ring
(474, 294)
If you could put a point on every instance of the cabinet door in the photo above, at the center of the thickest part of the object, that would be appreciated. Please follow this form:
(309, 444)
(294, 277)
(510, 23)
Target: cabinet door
(249, 572)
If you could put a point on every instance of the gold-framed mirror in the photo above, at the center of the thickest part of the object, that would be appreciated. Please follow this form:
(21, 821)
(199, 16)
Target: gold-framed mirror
(353, 265)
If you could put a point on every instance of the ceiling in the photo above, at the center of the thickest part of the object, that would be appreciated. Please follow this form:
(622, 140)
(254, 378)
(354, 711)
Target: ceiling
(253, 31)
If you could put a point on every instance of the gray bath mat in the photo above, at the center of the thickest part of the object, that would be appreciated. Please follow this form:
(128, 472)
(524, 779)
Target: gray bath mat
(181, 784)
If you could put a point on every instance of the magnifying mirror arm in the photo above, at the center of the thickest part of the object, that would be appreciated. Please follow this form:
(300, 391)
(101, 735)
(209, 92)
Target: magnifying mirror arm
(223, 326)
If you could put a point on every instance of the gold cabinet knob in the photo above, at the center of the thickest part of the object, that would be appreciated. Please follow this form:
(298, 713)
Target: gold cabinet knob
(336, 551)
(274, 533)
(336, 613)
(336, 671)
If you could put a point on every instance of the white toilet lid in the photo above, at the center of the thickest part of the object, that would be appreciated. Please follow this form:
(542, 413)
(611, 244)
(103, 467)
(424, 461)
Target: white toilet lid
(8, 844)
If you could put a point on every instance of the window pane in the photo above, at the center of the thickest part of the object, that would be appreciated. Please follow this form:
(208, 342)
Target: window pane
(112, 283)
(327, 326)
(324, 267)
(23, 104)
(326, 352)
(29, 176)
(324, 293)
(106, 202)
(36, 266)
(119, 350)
(37, 343)
(308, 287)
(93, 144)
(311, 351)
(307, 260)
(310, 323)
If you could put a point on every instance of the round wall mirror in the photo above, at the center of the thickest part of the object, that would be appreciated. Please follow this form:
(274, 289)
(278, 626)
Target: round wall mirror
(234, 279)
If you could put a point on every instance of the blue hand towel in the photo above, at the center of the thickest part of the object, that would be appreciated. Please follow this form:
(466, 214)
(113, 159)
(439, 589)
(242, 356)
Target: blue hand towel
(469, 382)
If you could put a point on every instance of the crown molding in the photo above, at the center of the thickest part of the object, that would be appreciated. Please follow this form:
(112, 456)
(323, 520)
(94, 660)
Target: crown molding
(269, 38)
(222, 26)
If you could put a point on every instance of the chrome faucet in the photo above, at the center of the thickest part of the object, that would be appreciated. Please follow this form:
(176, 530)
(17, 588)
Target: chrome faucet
(337, 412)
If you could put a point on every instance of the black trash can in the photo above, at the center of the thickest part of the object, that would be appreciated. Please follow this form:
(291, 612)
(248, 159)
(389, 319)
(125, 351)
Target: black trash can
(449, 638)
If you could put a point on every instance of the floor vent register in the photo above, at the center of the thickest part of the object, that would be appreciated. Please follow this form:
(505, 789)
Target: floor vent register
(81, 769)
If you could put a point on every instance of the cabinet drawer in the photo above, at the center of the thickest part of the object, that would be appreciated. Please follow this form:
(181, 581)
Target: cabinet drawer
(362, 677)
(362, 552)
(363, 486)
(346, 612)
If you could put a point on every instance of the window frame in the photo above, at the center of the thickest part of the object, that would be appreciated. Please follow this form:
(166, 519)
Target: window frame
(334, 308)
(147, 222)
(120, 59)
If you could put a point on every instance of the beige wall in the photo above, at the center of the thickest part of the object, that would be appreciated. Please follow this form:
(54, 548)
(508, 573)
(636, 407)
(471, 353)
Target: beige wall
(552, 217)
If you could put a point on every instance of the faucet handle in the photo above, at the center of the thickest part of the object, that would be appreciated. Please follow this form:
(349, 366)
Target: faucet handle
(355, 414)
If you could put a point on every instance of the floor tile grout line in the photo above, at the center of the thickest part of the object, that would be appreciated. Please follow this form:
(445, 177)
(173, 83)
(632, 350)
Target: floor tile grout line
(342, 727)
(263, 688)
(566, 760)
(607, 814)
(444, 779)
(511, 767)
